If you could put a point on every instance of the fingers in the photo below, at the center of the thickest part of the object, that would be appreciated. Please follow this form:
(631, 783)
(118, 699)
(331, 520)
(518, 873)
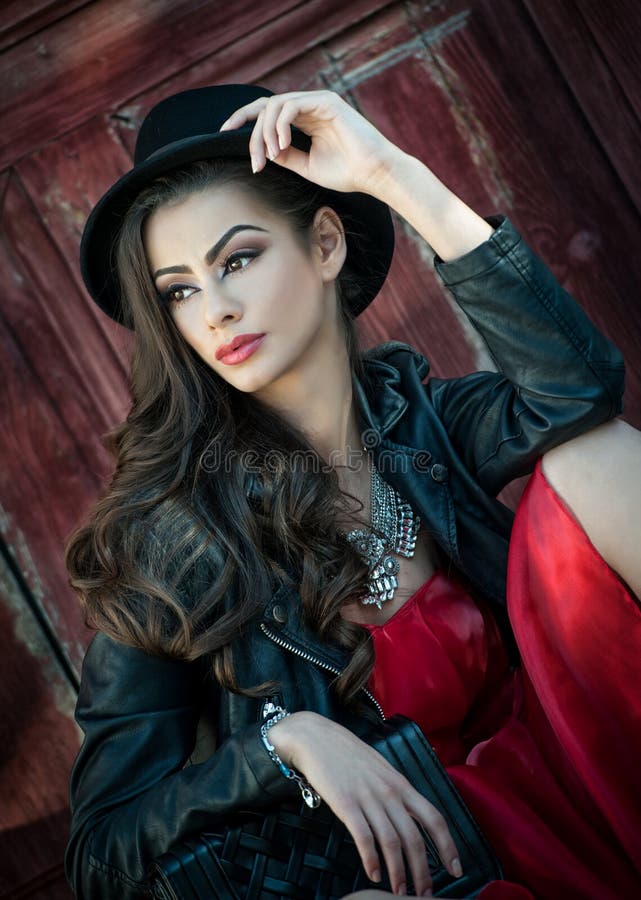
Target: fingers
(272, 131)
(256, 144)
(436, 825)
(244, 114)
(392, 826)
(391, 829)
(274, 117)
(360, 830)
(263, 142)
(393, 837)
(413, 847)
(276, 125)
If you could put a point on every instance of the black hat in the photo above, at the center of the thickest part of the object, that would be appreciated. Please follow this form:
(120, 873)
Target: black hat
(184, 128)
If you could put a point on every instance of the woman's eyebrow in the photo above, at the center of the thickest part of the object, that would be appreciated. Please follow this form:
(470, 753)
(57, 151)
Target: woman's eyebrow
(211, 254)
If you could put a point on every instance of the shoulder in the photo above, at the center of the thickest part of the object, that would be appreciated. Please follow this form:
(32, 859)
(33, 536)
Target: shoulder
(118, 677)
(598, 476)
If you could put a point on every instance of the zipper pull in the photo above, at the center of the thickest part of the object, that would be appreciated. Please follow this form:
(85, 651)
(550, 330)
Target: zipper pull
(270, 704)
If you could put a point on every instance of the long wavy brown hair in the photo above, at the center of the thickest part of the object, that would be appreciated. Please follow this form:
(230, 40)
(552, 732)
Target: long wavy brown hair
(176, 557)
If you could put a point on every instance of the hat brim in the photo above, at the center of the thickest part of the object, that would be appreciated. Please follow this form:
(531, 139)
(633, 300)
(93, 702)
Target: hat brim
(371, 217)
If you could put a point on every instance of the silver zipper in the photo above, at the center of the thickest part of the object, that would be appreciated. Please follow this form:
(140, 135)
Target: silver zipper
(319, 662)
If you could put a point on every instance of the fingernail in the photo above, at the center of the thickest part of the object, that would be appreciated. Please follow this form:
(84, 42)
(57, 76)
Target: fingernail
(401, 889)
(376, 875)
(281, 143)
(456, 867)
(254, 164)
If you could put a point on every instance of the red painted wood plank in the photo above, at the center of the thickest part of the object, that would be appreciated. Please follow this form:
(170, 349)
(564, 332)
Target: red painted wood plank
(615, 27)
(57, 331)
(596, 46)
(39, 742)
(285, 53)
(50, 885)
(53, 465)
(64, 180)
(21, 18)
(103, 54)
(520, 117)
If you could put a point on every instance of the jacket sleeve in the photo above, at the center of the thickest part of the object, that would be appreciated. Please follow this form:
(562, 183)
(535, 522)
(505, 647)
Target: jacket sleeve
(133, 794)
(558, 375)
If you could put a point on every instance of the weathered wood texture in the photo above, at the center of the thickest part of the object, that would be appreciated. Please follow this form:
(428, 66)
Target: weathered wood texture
(60, 394)
(521, 107)
(39, 741)
(53, 81)
(19, 19)
(596, 47)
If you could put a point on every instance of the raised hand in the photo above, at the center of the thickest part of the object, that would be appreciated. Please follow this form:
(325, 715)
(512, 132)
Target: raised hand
(347, 152)
(376, 803)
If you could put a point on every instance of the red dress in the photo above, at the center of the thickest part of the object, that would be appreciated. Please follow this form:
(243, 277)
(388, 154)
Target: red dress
(547, 757)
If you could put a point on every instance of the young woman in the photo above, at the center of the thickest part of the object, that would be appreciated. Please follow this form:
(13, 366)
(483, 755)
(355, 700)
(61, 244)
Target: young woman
(293, 523)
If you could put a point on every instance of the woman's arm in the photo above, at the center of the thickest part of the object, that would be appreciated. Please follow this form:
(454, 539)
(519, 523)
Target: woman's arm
(408, 186)
(559, 376)
(132, 794)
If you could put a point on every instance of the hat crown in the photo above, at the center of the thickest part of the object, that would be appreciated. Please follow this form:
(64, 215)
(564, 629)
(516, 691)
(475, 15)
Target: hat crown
(192, 113)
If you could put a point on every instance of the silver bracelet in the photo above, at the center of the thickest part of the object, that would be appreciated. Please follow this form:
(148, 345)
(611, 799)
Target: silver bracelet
(311, 798)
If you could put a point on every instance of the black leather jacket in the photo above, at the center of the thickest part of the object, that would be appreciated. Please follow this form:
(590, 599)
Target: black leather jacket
(142, 779)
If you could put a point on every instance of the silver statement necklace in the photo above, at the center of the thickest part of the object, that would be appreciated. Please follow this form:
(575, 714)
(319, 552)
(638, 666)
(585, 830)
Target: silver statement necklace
(394, 518)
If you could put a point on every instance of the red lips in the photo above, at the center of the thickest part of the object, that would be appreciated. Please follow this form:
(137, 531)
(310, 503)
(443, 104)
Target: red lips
(235, 343)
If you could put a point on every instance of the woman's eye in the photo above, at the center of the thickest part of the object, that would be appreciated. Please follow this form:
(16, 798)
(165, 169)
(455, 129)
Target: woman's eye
(177, 293)
(234, 262)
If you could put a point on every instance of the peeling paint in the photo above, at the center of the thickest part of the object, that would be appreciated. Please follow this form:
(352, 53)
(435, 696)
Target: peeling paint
(21, 553)
(129, 117)
(470, 127)
(415, 46)
(28, 632)
(55, 199)
(27, 629)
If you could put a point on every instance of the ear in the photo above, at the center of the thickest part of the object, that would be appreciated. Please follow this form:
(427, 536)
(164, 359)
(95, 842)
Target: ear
(328, 240)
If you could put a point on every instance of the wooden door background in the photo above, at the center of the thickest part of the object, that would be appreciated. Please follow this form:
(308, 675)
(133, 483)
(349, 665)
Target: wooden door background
(528, 107)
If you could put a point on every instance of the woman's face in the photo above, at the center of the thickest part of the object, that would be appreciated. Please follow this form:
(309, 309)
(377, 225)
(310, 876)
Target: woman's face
(226, 266)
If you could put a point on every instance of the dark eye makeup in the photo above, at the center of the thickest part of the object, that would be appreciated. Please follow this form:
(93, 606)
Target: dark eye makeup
(179, 292)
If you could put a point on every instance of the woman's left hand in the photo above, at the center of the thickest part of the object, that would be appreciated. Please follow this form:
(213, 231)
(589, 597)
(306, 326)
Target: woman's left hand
(347, 152)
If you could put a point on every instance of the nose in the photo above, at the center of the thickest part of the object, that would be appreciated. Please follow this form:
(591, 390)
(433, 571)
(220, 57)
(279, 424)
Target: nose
(219, 307)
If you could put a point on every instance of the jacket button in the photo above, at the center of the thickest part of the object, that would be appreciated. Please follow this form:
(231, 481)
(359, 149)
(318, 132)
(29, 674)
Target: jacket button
(280, 614)
(439, 473)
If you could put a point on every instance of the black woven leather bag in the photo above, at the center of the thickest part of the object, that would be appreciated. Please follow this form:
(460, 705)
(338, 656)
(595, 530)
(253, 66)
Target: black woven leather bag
(308, 854)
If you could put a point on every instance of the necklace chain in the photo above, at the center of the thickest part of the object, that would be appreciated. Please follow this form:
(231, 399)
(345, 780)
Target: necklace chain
(394, 530)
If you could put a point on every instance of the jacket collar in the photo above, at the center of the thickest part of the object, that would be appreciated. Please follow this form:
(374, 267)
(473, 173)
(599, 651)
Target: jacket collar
(380, 397)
